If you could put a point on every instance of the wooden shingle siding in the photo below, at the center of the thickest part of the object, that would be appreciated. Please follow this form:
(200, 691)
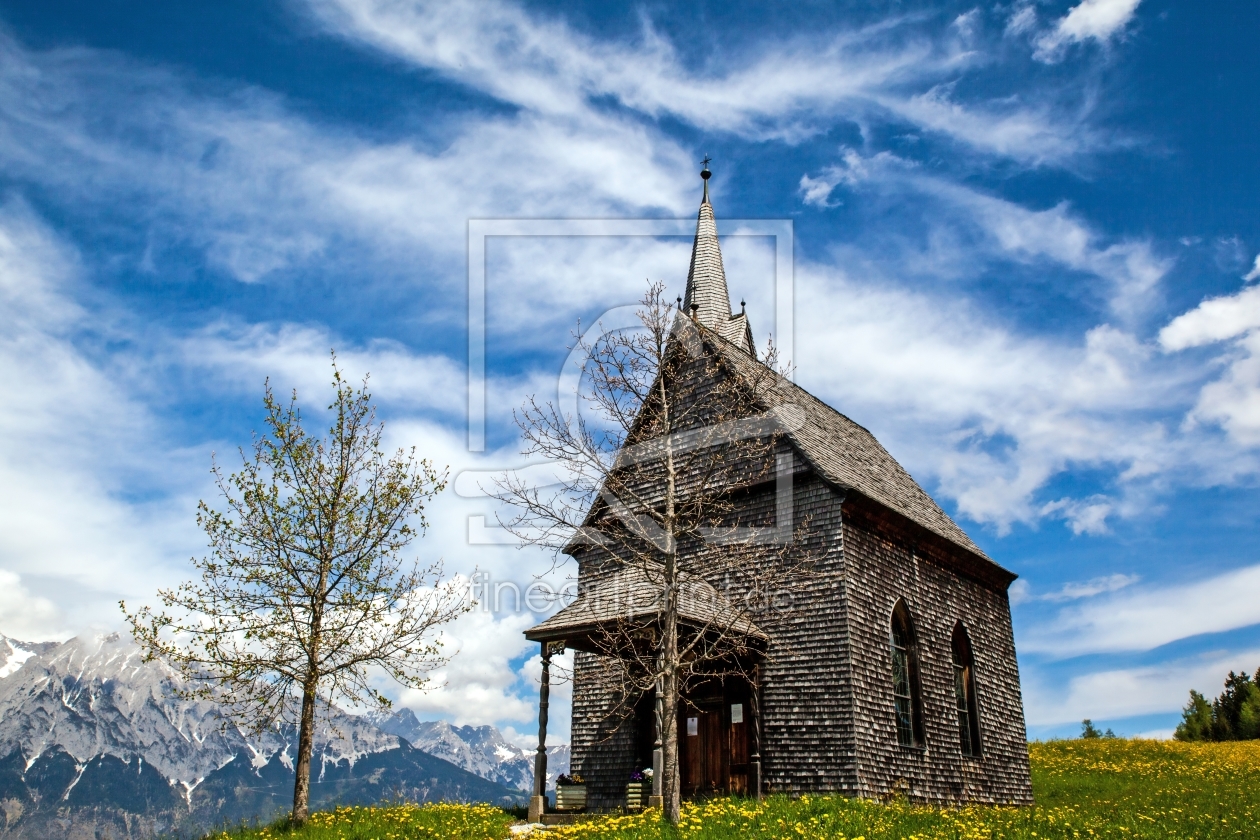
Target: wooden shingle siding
(807, 725)
(603, 742)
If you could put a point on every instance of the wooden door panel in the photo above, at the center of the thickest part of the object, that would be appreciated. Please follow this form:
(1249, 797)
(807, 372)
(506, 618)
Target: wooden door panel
(692, 752)
(715, 769)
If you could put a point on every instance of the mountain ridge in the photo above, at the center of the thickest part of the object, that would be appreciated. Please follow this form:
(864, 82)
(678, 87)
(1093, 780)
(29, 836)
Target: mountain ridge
(478, 749)
(94, 741)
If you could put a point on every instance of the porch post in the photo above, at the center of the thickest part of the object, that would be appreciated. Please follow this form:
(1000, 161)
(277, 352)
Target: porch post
(754, 759)
(538, 802)
(657, 799)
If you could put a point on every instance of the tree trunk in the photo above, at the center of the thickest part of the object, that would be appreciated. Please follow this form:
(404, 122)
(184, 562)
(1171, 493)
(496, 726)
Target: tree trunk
(671, 790)
(306, 743)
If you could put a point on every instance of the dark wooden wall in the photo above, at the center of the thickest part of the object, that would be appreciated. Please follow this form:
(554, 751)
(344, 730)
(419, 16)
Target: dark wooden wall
(604, 743)
(887, 560)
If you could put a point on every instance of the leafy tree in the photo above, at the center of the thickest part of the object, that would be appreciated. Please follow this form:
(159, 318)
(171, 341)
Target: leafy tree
(1088, 730)
(305, 594)
(1196, 719)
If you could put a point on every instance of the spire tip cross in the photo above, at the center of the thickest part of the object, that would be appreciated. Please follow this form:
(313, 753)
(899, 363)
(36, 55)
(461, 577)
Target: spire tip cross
(707, 160)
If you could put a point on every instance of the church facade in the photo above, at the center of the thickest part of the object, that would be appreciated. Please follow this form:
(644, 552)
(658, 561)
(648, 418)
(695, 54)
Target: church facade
(899, 679)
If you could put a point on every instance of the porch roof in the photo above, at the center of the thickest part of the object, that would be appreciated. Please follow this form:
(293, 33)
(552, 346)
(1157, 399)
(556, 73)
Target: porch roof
(630, 597)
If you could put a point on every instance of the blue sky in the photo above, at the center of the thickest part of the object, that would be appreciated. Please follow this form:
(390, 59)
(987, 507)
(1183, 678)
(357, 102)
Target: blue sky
(1025, 256)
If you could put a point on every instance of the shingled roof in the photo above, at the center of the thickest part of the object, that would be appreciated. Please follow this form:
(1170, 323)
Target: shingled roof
(630, 596)
(837, 448)
(846, 454)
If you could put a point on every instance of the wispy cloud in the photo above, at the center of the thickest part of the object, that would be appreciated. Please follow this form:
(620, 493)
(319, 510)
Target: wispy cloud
(298, 357)
(1144, 618)
(891, 70)
(1128, 692)
(990, 414)
(262, 190)
(1254, 274)
(1021, 591)
(1131, 267)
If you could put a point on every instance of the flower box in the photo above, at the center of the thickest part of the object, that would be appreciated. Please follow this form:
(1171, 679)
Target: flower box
(637, 794)
(570, 797)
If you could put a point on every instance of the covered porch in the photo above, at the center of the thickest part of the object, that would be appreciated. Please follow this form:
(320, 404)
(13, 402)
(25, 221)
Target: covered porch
(618, 616)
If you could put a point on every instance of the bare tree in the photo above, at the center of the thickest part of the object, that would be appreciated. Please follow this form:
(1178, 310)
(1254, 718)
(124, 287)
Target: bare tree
(305, 590)
(654, 494)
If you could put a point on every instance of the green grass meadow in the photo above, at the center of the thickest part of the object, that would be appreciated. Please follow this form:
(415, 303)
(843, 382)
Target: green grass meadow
(1084, 789)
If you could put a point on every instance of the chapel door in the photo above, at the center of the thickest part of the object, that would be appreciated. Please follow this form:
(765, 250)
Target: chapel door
(705, 750)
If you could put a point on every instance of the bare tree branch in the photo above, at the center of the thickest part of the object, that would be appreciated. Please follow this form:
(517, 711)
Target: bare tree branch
(653, 500)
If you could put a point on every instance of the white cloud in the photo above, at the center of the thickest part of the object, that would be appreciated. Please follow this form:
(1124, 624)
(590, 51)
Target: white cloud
(1233, 400)
(1092, 587)
(1023, 18)
(294, 356)
(1128, 692)
(1145, 618)
(262, 190)
(1083, 516)
(26, 616)
(1156, 735)
(1031, 133)
(1213, 320)
(853, 169)
(1130, 267)
(1098, 20)
(1009, 231)
(478, 685)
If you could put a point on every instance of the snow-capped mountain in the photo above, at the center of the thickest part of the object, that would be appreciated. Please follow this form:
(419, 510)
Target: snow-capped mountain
(93, 740)
(478, 749)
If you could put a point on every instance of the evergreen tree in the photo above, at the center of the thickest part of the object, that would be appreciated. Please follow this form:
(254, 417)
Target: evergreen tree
(1196, 719)
(1227, 708)
(1088, 730)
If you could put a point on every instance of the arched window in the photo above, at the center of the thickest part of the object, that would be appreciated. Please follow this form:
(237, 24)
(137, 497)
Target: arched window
(905, 661)
(965, 692)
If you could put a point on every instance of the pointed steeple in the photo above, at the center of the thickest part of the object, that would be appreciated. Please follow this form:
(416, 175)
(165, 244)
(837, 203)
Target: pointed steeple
(707, 297)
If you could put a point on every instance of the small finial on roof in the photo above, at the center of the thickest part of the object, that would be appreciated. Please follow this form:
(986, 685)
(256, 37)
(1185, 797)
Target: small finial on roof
(706, 175)
(741, 305)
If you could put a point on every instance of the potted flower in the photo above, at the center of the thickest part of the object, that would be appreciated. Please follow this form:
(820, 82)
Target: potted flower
(570, 792)
(639, 788)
